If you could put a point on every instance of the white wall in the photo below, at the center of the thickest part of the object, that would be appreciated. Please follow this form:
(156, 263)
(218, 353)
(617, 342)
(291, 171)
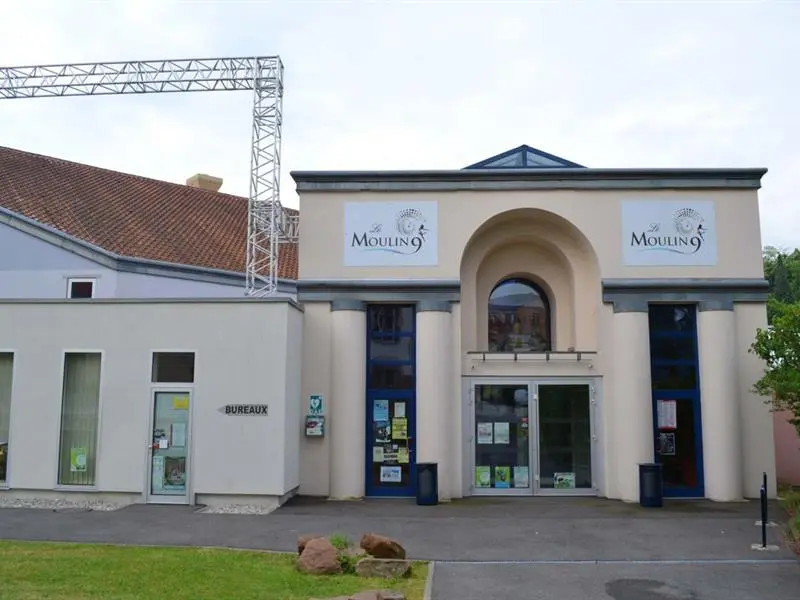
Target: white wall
(295, 405)
(33, 268)
(246, 352)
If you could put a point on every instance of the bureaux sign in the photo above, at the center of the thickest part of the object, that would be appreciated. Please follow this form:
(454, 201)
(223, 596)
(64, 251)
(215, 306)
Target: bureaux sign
(390, 234)
(669, 233)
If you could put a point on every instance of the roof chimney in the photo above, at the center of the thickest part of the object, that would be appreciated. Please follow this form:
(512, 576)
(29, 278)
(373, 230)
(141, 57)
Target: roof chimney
(205, 182)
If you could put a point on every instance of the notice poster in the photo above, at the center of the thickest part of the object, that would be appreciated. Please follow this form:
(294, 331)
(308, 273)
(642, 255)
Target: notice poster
(380, 429)
(180, 402)
(175, 473)
(377, 454)
(501, 433)
(564, 481)
(400, 410)
(485, 433)
(521, 477)
(399, 429)
(483, 477)
(667, 414)
(178, 435)
(666, 442)
(157, 475)
(402, 456)
(502, 477)
(380, 410)
(391, 475)
(77, 460)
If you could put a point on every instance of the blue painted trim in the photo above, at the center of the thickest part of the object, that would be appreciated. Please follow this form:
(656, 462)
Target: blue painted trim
(686, 395)
(410, 397)
(524, 149)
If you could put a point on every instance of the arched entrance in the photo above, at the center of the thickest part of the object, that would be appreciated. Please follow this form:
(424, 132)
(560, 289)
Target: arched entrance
(530, 299)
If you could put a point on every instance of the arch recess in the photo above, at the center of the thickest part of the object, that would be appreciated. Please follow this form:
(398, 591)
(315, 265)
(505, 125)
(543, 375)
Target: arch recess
(548, 251)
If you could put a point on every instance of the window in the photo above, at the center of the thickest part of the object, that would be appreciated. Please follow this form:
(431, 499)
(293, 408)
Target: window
(173, 367)
(80, 404)
(80, 288)
(6, 370)
(519, 317)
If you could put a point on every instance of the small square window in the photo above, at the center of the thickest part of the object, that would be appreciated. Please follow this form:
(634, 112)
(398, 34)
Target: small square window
(173, 367)
(80, 288)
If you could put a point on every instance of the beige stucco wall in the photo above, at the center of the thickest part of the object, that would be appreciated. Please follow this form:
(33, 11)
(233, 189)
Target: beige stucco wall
(568, 242)
(245, 353)
(757, 437)
(596, 214)
(315, 473)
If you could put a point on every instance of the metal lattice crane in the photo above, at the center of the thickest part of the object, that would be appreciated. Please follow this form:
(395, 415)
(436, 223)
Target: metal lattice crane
(269, 224)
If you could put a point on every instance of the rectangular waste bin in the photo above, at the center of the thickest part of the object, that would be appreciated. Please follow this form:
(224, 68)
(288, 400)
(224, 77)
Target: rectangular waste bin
(651, 490)
(427, 484)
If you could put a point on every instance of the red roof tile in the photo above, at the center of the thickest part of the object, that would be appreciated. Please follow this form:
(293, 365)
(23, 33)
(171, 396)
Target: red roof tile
(130, 215)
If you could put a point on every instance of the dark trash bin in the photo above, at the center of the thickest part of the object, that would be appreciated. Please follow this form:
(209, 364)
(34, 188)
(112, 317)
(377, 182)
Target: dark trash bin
(651, 490)
(427, 484)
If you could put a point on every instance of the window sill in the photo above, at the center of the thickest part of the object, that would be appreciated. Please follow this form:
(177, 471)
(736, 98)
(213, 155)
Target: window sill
(75, 488)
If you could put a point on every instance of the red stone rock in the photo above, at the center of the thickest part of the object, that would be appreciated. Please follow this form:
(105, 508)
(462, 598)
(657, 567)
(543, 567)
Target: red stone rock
(381, 546)
(303, 540)
(319, 557)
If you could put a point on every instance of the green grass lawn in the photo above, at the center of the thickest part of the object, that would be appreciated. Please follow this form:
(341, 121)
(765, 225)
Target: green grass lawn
(37, 571)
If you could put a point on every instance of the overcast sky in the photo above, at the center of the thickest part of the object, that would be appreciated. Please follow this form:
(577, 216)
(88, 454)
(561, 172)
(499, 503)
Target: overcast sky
(398, 85)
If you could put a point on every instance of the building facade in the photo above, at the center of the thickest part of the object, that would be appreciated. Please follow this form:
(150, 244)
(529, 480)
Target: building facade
(533, 330)
(532, 326)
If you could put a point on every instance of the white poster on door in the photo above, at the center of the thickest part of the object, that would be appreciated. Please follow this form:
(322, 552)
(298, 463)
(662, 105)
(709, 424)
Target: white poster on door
(669, 233)
(391, 234)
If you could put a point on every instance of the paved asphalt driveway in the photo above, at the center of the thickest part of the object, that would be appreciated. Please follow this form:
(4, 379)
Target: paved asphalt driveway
(489, 548)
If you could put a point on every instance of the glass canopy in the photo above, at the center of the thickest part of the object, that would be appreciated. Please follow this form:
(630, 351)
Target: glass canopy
(525, 157)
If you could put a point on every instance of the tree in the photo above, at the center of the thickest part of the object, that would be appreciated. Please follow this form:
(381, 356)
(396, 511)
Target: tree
(781, 287)
(779, 347)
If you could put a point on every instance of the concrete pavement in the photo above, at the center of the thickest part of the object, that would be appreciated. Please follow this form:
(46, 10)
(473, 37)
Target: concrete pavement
(488, 548)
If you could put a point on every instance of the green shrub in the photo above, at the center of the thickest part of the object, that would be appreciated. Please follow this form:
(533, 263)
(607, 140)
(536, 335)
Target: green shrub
(790, 500)
(348, 561)
(339, 541)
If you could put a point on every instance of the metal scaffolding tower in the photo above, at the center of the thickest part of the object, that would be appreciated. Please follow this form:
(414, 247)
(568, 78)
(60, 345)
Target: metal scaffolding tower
(269, 224)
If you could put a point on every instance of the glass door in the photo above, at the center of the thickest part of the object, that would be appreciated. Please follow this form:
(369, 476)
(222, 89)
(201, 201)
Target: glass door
(675, 376)
(391, 400)
(565, 438)
(168, 453)
(502, 434)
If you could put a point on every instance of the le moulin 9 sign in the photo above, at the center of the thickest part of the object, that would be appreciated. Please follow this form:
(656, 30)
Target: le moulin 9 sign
(669, 233)
(386, 234)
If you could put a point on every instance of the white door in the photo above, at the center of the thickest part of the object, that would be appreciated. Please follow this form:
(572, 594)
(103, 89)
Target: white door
(168, 452)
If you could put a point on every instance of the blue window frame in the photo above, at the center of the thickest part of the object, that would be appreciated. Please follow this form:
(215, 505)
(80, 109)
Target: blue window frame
(391, 400)
(675, 377)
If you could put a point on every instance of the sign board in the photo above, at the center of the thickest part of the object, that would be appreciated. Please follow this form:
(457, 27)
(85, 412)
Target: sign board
(662, 233)
(315, 426)
(260, 410)
(391, 234)
(315, 406)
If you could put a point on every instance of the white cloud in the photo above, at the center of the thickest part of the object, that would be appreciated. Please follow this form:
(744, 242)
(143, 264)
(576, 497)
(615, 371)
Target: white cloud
(430, 85)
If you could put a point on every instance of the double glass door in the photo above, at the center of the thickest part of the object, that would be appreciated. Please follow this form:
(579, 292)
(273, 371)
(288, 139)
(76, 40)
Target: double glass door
(168, 451)
(533, 437)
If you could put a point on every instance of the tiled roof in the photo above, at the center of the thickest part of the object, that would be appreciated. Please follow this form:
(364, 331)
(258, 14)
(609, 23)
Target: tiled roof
(130, 215)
